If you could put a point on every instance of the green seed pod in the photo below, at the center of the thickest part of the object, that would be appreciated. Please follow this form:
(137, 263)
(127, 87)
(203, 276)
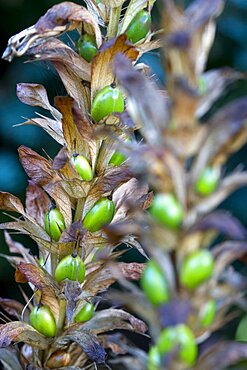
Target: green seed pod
(107, 101)
(87, 47)
(208, 181)
(139, 27)
(42, 319)
(154, 358)
(207, 313)
(182, 337)
(99, 215)
(86, 313)
(54, 223)
(83, 167)
(117, 158)
(196, 268)
(167, 211)
(154, 284)
(70, 267)
(241, 333)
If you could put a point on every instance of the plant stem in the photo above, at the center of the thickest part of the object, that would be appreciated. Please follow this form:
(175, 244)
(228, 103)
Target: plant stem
(113, 22)
(79, 208)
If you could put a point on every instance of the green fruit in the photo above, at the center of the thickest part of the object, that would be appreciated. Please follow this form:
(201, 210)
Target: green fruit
(139, 27)
(82, 167)
(87, 47)
(241, 333)
(208, 181)
(107, 101)
(117, 158)
(207, 313)
(166, 210)
(154, 284)
(86, 313)
(196, 268)
(54, 223)
(154, 358)
(99, 215)
(70, 267)
(182, 337)
(42, 319)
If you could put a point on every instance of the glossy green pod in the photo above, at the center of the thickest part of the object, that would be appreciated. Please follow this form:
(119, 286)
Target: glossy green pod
(107, 101)
(87, 47)
(154, 284)
(86, 313)
(208, 181)
(182, 337)
(241, 333)
(99, 215)
(167, 210)
(54, 223)
(196, 268)
(154, 358)
(42, 319)
(82, 167)
(117, 158)
(207, 313)
(139, 27)
(70, 267)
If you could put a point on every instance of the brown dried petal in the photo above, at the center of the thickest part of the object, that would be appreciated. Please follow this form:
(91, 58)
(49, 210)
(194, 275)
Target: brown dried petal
(17, 331)
(12, 307)
(52, 127)
(9, 202)
(17, 248)
(10, 358)
(37, 202)
(102, 64)
(44, 282)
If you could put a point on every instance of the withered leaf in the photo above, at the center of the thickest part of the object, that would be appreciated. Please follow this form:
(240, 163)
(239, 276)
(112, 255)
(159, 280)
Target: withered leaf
(102, 64)
(12, 307)
(17, 248)
(228, 252)
(9, 202)
(222, 355)
(87, 341)
(42, 281)
(222, 221)
(10, 358)
(74, 232)
(37, 202)
(111, 319)
(17, 331)
(36, 167)
(60, 159)
(148, 110)
(51, 126)
(36, 95)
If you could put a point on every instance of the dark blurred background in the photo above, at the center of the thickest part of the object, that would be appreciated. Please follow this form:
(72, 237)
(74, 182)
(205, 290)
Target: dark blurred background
(230, 49)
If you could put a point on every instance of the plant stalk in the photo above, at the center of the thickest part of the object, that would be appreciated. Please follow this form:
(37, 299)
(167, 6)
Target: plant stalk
(113, 22)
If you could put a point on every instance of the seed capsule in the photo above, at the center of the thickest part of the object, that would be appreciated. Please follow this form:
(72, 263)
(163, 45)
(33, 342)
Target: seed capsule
(139, 27)
(70, 267)
(86, 313)
(87, 47)
(83, 167)
(207, 313)
(117, 158)
(196, 268)
(42, 319)
(154, 284)
(167, 211)
(54, 223)
(208, 181)
(107, 101)
(182, 337)
(99, 215)
(241, 333)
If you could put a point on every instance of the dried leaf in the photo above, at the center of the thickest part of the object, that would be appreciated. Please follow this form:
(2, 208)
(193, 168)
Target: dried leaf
(35, 166)
(149, 110)
(87, 341)
(102, 64)
(44, 282)
(9, 202)
(52, 127)
(222, 355)
(10, 358)
(18, 248)
(60, 159)
(37, 203)
(17, 331)
(12, 307)
(36, 95)
(226, 253)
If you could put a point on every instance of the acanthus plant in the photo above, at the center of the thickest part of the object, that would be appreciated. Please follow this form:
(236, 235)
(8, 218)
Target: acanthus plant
(82, 204)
